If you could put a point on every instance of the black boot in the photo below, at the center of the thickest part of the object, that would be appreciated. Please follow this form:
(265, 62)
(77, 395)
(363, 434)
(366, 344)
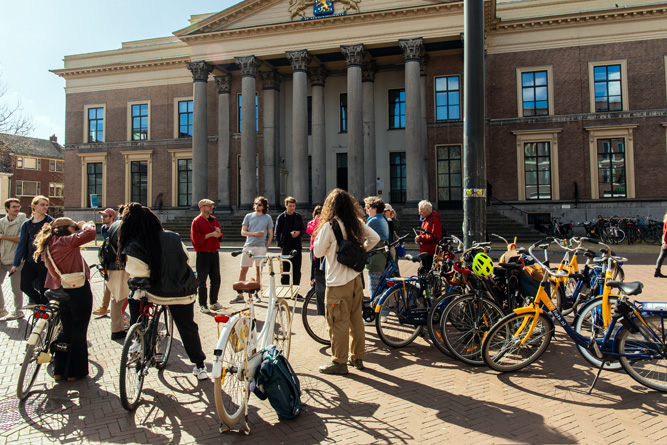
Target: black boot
(658, 274)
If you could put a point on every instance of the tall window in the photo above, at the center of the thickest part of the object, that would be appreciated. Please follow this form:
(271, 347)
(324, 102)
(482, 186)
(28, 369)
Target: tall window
(55, 190)
(608, 89)
(535, 93)
(184, 182)
(56, 166)
(256, 113)
(450, 189)
(537, 168)
(94, 181)
(397, 183)
(185, 111)
(342, 124)
(397, 109)
(27, 188)
(611, 168)
(95, 124)
(139, 182)
(140, 122)
(447, 98)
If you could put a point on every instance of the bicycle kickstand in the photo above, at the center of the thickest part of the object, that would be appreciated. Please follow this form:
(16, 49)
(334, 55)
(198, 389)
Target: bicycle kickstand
(590, 390)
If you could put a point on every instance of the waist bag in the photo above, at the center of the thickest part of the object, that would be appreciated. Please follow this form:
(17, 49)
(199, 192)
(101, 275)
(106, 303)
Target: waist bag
(69, 280)
(275, 379)
(348, 253)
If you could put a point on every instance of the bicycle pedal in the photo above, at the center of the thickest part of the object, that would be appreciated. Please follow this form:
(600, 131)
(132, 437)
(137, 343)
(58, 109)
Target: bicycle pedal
(157, 358)
(60, 347)
(43, 358)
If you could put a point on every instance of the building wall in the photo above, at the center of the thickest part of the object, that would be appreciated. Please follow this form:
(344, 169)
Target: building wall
(43, 176)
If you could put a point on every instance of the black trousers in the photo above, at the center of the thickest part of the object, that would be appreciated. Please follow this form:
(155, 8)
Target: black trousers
(33, 276)
(75, 317)
(184, 319)
(427, 262)
(208, 266)
(296, 262)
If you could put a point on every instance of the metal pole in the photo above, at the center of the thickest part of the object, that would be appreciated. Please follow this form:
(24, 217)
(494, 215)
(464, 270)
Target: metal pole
(474, 163)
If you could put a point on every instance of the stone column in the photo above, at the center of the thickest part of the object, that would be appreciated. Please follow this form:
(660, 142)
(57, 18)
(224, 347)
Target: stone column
(424, 134)
(223, 83)
(412, 49)
(318, 77)
(270, 92)
(200, 72)
(249, 65)
(354, 55)
(299, 60)
(368, 71)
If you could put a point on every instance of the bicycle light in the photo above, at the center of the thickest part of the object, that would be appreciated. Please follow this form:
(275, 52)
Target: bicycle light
(221, 318)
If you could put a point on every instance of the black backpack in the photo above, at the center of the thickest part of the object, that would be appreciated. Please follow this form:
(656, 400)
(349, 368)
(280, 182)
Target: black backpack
(349, 254)
(107, 254)
(276, 380)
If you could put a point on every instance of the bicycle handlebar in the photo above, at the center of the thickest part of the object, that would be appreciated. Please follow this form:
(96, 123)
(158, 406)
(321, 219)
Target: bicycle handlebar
(266, 256)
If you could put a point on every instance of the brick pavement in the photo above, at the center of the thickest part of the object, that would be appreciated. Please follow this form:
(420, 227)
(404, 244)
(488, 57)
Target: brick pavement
(408, 395)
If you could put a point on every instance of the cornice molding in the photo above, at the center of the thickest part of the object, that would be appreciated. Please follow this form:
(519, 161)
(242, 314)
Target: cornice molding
(177, 62)
(159, 143)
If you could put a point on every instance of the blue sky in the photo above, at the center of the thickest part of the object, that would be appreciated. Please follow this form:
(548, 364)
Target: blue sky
(36, 35)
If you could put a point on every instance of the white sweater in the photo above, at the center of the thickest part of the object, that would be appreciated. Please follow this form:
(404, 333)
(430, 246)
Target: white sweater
(326, 245)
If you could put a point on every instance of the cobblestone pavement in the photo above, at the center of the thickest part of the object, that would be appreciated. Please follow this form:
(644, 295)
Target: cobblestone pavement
(409, 395)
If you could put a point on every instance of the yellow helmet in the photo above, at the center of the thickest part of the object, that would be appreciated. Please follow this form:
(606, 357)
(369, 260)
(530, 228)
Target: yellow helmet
(482, 265)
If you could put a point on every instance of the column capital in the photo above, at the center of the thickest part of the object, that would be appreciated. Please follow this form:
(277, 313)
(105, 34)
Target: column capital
(224, 83)
(270, 80)
(412, 48)
(423, 64)
(200, 70)
(318, 76)
(299, 59)
(368, 71)
(354, 54)
(249, 65)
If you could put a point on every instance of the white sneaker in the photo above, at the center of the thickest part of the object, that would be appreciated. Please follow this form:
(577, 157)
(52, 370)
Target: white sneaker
(204, 309)
(215, 307)
(200, 373)
(15, 316)
(3, 312)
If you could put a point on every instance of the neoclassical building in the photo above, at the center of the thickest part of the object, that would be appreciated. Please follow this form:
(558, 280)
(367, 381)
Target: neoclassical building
(367, 95)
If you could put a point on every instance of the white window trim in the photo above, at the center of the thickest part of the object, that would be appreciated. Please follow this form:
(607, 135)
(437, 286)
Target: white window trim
(129, 118)
(56, 163)
(176, 121)
(39, 186)
(85, 122)
(519, 87)
(624, 82)
(142, 155)
(546, 135)
(185, 153)
(87, 158)
(435, 108)
(56, 184)
(621, 131)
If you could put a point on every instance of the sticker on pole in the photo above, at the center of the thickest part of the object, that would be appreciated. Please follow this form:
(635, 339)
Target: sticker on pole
(474, 193)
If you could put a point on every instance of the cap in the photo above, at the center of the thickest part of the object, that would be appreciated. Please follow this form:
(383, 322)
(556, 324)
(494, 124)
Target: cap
(388, 207)
(108, 212)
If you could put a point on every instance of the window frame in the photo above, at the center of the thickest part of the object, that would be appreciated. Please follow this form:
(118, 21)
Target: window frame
(87, 158)
(390, 106)
(525, 136)
(238, 112)
(550, 88)
(435, 98)
(55, 186)
(342, 113)
(21, 160)
(130, 120)
(55, 163)
(177, 121)
(22, 184)
(138, 155)
(86, 123)
(176, 155)
(615, 132)
(625, 100)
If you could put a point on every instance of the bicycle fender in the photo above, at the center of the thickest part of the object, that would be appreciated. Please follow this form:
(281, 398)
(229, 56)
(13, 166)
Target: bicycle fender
(217, 352)
(36, 331)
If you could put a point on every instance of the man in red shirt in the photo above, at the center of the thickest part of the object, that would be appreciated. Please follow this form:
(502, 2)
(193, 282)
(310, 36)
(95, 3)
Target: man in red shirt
(205, 235)
(430, 221)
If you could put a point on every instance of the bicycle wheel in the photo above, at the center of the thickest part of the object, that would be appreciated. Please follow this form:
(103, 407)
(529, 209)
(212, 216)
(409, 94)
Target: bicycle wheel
(588, 323)
(30, 366)
(650, 372)
(465, 322)
(650, 235)
(433, 321)
(229, 388)
(392, 327)
(502, 348)
(314, 322)
(132, 367)
(282, 336)
(163, 339)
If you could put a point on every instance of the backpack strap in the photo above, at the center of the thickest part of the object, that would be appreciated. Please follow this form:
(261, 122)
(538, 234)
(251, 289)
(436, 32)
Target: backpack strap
(336, 230)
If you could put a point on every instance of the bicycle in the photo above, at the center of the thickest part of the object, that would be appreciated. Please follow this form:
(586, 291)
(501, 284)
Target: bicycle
(42, 342)
(238, 351)
(147, 344)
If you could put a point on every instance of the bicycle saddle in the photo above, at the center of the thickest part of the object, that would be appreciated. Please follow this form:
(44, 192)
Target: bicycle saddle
(246, 286)
(139, 283)
(631, 288)
(57, 294)
(515, 266)
(416, 258)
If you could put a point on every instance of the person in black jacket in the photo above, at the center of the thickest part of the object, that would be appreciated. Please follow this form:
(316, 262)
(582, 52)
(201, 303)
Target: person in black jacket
(147, 250)
(288, 233)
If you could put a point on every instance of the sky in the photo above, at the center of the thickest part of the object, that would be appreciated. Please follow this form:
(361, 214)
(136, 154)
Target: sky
(36, 35)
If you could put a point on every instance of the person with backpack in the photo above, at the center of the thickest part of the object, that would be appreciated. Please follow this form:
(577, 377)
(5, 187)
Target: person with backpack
(344, 288)
(374, 207)
(108, 217)
(430, 221)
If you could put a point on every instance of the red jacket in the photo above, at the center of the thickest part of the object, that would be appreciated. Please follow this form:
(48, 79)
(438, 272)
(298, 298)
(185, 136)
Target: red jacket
(427, 243)
(200, 227)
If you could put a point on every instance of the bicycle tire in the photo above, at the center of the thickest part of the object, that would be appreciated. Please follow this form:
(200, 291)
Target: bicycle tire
(502, 350)
(316, 325)
(164, 339)
(588, 318)
(433, 321)
(388, 323)
(230, 388)
(650, 236)
(132, 367)
(465, 322)
(282, 337)
(30, 368)
(648, 372)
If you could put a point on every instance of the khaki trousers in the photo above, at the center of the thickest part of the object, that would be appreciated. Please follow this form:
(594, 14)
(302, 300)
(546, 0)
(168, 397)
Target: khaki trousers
(346, 325)
(117, 286)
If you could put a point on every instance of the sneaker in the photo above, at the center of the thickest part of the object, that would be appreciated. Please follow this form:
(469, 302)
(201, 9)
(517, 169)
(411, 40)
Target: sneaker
(258, 299)
(357, 363)
(239, 299)
(215, 307)
(101, 311)
(334, 368)
(200, 373)
(15, 316)
(3, 312)
(204, 309)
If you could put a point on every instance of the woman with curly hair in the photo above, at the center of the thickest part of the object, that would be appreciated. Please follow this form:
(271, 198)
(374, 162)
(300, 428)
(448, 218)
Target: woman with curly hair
(344, 289)
(59, 244)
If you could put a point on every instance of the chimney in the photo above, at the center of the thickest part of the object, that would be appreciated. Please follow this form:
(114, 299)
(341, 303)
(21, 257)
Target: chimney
(53, 138)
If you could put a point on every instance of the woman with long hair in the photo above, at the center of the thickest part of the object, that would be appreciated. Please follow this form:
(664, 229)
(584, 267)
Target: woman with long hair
(344, 289)
(60, 242)
(148, 251)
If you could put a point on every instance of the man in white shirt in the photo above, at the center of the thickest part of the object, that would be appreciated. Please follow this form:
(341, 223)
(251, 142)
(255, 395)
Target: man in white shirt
(10, 228)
